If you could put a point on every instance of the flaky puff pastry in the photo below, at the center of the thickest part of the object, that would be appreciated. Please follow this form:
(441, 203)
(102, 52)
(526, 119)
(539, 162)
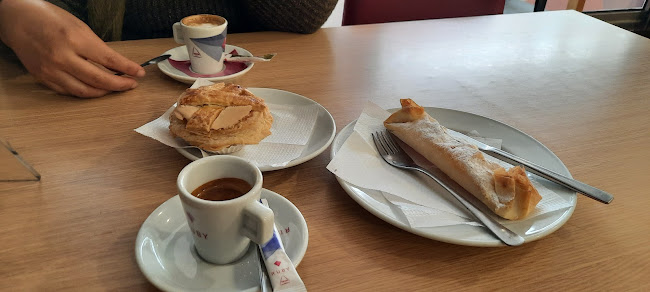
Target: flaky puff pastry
(508, 193)
(219, 116)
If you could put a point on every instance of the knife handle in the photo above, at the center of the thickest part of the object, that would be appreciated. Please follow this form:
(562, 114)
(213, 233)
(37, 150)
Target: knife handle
(569, 183)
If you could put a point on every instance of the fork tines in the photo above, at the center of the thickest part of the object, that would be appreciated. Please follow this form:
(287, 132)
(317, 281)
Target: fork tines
(387, 143)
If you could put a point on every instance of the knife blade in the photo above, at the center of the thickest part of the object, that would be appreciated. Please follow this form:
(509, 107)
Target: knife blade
(567, 182)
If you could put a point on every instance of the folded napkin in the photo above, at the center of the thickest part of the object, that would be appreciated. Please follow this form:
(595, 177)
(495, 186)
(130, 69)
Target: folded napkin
(418, 200)
(291, 129)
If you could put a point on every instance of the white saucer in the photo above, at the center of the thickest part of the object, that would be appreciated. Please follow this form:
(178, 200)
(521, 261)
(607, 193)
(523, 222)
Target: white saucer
(180, 54)
(166, 255)
(321, 137)
(515, 142)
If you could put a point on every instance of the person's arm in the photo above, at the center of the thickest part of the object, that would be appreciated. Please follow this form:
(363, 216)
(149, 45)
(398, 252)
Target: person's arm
(61, 51)
(78, 8)
(302, 16)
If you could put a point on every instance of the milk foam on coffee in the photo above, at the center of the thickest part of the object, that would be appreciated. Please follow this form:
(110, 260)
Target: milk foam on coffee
(206, 25)
(203, 20)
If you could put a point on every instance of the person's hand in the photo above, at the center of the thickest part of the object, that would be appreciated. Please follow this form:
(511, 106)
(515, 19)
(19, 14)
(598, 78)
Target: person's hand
(61, 51)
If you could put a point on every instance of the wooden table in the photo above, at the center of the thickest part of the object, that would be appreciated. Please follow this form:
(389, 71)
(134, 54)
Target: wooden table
(578, 85)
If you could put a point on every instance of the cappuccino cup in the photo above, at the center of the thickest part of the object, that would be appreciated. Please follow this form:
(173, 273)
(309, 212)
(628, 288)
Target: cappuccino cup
(204, 35)
(220, 196)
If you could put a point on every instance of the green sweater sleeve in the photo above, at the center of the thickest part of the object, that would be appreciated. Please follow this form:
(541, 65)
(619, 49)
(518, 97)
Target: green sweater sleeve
(301, 16)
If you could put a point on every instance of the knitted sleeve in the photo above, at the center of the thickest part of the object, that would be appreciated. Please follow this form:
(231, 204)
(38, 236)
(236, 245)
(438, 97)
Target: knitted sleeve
(301, 16)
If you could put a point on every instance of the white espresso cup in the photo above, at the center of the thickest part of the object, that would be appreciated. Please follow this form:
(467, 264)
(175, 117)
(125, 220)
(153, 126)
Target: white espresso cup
(222, 230)
(204, 35)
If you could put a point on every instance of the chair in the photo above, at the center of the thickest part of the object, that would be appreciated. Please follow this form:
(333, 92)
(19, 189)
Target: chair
(380, 11)
(577, 5)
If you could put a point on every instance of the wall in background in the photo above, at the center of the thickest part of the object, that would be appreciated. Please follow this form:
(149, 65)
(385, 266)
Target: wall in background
(337, 16)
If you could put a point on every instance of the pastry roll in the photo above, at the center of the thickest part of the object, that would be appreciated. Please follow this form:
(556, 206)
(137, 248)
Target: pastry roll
(508, 193)
(218, 116)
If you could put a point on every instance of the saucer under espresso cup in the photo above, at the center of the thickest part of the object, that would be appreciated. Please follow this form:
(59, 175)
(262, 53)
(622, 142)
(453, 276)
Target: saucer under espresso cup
(204, 36)
(167, 258)
(178, 66)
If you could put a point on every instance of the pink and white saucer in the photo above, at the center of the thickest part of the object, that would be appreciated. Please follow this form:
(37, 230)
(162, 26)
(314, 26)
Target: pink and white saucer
(178, 66)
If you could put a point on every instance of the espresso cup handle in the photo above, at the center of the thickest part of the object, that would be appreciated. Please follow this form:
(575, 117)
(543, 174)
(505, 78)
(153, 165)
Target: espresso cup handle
(177, 30)
(257, 222)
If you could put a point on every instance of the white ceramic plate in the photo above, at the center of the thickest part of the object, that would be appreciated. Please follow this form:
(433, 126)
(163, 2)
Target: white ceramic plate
(180, 54)
(514, 141)
(321, 137)
(166, 255)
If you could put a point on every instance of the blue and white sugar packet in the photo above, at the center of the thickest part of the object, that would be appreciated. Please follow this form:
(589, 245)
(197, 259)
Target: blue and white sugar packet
(281, 270)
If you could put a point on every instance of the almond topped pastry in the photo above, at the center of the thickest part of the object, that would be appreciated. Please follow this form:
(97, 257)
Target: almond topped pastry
(219, 116)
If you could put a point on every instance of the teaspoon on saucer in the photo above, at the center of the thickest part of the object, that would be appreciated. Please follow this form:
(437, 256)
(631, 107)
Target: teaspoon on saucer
(242, 58)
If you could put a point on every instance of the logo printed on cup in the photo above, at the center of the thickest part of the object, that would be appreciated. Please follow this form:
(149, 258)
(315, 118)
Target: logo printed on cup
(199, 234)
(213, 46)
(196, 53)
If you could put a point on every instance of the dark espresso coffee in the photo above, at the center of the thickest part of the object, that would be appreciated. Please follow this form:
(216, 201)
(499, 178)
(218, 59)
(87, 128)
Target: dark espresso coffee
(222, 189)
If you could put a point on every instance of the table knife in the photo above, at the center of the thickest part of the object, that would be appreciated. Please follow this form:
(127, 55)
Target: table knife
(567, 182)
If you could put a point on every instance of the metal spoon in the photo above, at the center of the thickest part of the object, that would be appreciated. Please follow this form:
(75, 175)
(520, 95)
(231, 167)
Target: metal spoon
(265, 285)
(152, 61)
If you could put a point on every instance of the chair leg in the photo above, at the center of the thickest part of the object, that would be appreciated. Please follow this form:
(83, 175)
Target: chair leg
(577, 5)
(540, 5)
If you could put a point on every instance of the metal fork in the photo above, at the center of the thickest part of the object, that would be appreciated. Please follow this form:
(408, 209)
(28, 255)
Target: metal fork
(393, 154)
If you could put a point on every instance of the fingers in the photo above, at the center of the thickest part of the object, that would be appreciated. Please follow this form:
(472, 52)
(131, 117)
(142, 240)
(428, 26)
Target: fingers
(110, 59)
(70, 74)
(64, 83)
(63, 52)
(55, 87)
(86, 79)
(93, 76)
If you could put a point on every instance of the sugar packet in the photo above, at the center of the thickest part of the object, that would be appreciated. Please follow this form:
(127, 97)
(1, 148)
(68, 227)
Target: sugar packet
(280, 268)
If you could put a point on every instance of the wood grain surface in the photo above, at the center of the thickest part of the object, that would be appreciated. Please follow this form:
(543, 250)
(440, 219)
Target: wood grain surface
(578, 85)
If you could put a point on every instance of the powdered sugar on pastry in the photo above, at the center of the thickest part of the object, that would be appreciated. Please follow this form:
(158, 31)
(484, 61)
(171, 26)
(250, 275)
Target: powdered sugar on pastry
(467, 157)
(508, 193)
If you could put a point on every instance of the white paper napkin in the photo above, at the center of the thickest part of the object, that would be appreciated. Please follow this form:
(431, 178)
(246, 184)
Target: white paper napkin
(292, 126)
(421, 202)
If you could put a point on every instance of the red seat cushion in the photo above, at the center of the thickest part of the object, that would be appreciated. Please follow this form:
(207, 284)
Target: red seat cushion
(379, 11)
